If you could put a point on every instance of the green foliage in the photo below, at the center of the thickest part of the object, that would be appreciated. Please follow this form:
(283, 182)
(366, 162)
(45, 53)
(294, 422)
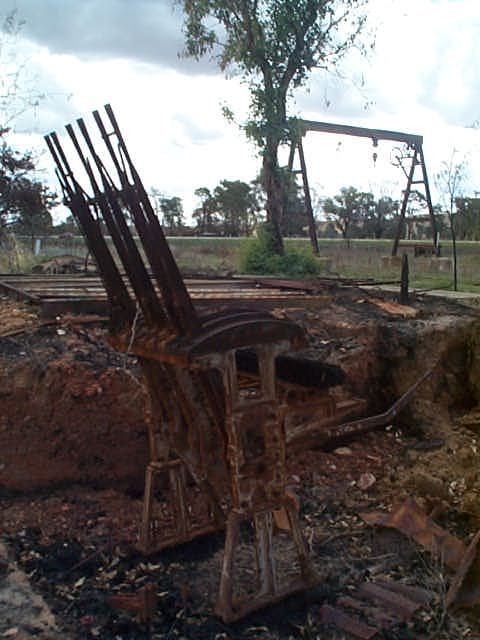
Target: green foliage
(347, 208)
(172, 210)
(294, 220)
(205, 215)
(272, 45)
(467, 218)
(380, 217)
(237, 207)
(231, 210)
(257, 256)
(25, 203)
(169, 210)
(358, 214)
(68, 226)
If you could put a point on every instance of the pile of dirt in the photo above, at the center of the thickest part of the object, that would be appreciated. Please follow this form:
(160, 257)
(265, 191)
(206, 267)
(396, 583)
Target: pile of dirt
(72, 410)
(65, 264)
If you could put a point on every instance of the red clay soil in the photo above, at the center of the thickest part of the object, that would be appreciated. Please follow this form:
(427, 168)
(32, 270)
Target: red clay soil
(73, 452)
(72, 408)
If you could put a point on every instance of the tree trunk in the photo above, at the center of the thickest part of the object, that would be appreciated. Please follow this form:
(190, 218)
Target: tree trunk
(273, 184)
(454, 248)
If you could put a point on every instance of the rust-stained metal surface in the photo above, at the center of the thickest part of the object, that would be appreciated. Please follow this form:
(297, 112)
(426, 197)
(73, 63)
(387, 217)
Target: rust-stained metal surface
(143, 603)
(464, 588)
(222, 394)
(205, 425)
(323, 429)
(375, 606)
(351, 624)
(409, 518)
(415, 147)
(56, 294)
(85, 293)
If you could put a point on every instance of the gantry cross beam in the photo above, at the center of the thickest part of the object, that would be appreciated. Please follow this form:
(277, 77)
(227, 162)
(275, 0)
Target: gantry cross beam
(414, 142)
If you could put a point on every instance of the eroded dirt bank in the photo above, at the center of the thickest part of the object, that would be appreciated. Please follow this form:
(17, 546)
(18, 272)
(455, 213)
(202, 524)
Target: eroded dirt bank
(73, 451)
(72, 408)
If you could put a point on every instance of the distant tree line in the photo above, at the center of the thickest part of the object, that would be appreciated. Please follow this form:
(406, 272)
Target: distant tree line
(467, 218)
(235, 209)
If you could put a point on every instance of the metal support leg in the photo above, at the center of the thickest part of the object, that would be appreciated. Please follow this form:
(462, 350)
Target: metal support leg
(264, 553)
(224, 606)
(153, 535)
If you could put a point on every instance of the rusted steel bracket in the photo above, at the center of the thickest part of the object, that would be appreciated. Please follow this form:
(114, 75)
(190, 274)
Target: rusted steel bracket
(464, 588)
(326, 431)
(231, 606)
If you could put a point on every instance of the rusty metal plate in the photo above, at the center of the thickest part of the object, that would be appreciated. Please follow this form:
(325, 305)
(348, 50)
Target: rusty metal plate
(465, 587)
(409, 518)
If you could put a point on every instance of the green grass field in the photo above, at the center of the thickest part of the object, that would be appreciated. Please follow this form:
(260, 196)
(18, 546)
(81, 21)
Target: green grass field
(356, 259)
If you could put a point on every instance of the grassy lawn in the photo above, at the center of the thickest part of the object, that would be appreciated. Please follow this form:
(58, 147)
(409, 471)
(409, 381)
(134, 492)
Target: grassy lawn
(356, 259)
(369, 259)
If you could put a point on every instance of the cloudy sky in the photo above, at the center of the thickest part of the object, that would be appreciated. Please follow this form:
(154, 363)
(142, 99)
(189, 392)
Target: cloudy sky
(423, 77)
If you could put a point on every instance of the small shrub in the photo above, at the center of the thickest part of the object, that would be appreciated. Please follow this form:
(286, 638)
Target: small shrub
(258, 258)
(298, 263)
(254, 257)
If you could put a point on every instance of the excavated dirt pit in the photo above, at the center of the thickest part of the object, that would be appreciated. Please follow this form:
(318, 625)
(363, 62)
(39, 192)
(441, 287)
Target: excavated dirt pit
(73, 452)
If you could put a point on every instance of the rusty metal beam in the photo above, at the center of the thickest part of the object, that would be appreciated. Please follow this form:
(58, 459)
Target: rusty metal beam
(18, 294)
(362, 132)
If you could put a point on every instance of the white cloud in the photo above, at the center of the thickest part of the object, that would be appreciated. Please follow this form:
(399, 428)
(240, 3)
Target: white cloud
(141, 30)
(423, 77)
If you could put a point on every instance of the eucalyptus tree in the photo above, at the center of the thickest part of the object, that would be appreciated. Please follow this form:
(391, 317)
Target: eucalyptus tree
(237, 207)
(25, 202)
(348, 209)
(206, 215)
(273, 45)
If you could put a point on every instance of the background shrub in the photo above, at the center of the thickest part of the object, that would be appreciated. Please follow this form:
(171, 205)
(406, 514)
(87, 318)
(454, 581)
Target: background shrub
(257, 258)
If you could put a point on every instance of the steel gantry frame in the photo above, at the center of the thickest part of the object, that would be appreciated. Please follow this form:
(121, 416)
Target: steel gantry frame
(414, 142)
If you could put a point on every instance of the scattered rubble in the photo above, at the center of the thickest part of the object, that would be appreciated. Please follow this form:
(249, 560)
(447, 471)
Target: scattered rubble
(73, 449)
(102, 523)
(65, 264)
